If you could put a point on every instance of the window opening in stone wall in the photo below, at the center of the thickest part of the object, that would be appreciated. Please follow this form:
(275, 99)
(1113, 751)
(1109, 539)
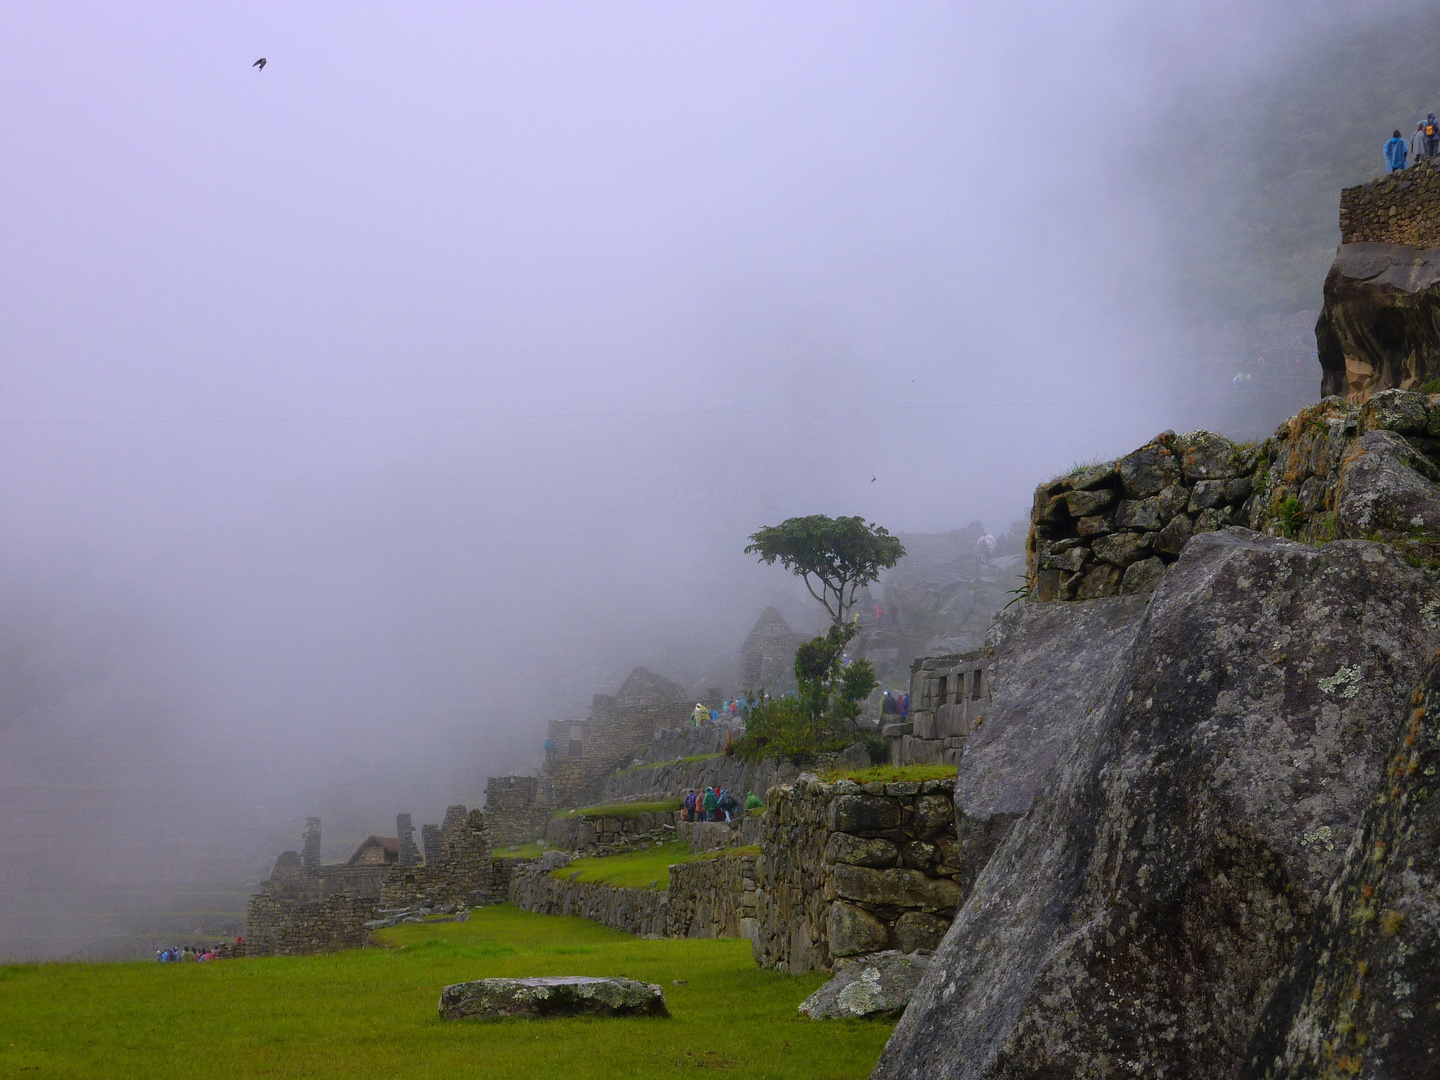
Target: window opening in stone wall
(942, 691)
(977, 687)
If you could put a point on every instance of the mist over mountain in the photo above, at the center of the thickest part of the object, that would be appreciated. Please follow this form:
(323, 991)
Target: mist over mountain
(361, 414)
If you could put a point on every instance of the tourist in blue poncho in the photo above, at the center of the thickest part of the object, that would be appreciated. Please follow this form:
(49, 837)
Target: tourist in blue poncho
(1395, 151)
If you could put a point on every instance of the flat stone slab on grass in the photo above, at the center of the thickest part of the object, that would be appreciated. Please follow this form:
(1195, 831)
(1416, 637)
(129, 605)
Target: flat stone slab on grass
(877, 986)
(570, 995)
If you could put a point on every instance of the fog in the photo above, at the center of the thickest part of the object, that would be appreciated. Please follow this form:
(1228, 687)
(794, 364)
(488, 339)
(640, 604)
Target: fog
(361, 413)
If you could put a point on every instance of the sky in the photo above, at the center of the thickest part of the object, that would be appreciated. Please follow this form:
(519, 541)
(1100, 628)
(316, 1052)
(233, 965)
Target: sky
(361, 413)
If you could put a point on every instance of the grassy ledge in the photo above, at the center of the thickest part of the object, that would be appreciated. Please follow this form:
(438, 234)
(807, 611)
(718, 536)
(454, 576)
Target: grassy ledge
(372, 1012)
(891, 774)
(648, 868)
(529, 850)
(619, 810)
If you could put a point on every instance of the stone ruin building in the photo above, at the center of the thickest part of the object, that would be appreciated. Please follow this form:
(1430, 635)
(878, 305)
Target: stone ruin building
(306, 906)
(583, 753)
(767, 659)
(518, 808)
(948, 695)
(618, 725)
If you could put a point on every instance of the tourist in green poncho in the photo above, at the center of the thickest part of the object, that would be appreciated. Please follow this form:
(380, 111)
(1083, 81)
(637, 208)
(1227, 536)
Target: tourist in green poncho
(712, 803)
(752, 802)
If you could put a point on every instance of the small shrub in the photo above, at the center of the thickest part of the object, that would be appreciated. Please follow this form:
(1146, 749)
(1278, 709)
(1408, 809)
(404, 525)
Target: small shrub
(1289, 513)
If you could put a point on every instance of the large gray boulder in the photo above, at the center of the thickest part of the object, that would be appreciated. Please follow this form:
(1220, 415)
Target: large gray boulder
(1052, 664)
(1363, 994)
(1138, 919)
(571, 995)
(873, 987)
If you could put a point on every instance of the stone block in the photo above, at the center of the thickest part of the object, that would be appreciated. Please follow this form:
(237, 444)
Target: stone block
(900, 888)
(932, 813)
(862, 813)
(1085, 503)
(1142, 576)
(868, 988)
(916, 930)
(1094, 526)
(1122, 549)
(1173, 500)
(1138, 514)
(902, 788)
(1210, 521)
(860, 851)
(1401, 411)
(1174, 535)
(1205, 494)
(1148, 470)
(1206, 456)
(571, 995)
(1239, 489)
(852, 930)
(1102, 580)
(1071, 559)
(1091, 477)
(917, 854)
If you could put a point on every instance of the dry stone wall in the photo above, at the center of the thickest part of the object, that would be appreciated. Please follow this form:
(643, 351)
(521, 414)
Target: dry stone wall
(578, 833)
(643, 912)
(847, 869)
(1398, 208)
(706, 898)
(277, 926)
(712, 898)
(1333, 471)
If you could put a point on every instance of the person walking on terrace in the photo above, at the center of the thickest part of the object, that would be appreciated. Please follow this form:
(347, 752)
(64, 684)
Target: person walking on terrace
(690, 805)
(1417, 144)
(699, 716)
(753, 803)
(1432, 135)
(1395, 151)
(711, 805)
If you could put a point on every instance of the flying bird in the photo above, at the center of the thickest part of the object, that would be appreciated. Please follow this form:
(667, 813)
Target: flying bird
(259, 64)
(872, 478)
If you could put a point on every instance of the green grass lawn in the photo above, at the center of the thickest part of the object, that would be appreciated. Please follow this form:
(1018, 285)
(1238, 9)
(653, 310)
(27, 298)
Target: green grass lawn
(373, 1012)
(645, 868)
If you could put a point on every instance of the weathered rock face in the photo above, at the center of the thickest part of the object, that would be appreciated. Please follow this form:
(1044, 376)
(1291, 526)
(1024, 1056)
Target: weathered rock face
(874, 987)
(1139, 918)
(1380, 326)
(1053, 664)
(573, 995)
(1363, 994)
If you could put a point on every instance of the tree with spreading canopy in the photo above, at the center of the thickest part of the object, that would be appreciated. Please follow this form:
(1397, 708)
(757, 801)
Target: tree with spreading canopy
(840, 554)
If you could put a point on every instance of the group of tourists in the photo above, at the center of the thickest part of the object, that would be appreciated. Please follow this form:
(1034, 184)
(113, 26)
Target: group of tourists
(1423, 143)
(893, 704)
(716, 804)
(730, 709)
(183, 953)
